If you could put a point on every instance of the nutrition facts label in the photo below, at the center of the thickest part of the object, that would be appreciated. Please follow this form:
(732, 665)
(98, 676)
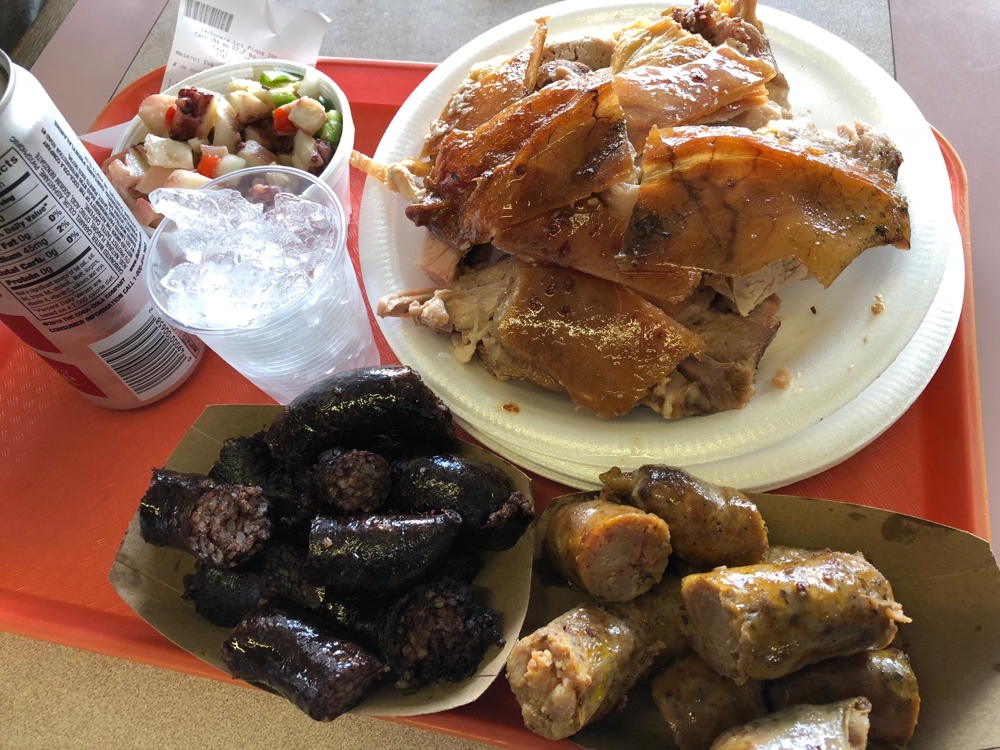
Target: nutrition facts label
(48, 221)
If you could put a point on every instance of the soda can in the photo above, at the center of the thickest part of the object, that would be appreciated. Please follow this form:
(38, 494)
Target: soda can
(71, 260)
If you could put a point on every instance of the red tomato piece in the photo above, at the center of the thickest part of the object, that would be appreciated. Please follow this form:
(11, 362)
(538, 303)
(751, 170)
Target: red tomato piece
(207, 165)
(281, 122)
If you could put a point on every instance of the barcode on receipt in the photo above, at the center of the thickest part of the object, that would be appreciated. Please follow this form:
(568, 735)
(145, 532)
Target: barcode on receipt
(208, 15)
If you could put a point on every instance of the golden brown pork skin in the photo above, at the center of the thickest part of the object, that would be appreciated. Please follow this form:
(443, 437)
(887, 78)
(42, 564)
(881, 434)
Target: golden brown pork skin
(586, 236)
(602, 342)
(490, 89)
(712, 89)
(548, 150)
(766, 621)
(728, 201)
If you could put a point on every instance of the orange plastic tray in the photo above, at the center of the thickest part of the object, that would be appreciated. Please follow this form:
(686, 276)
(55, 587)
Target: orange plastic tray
(71, 473)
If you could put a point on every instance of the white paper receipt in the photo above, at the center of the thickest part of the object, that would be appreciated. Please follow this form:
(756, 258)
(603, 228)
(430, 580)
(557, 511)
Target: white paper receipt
(214, 32)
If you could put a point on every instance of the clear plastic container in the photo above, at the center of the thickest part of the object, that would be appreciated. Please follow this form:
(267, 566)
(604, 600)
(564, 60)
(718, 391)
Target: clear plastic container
(321, 331)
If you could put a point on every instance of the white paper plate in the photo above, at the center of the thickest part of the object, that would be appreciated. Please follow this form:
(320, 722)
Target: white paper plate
(854, 372)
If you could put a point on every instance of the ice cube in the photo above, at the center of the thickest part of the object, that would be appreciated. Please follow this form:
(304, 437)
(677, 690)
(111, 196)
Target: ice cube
(213, 211)
(243, 263)
(314, 224)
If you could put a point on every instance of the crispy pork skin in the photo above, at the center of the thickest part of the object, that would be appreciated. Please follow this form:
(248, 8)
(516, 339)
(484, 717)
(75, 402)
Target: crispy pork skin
(586, 236)
(734, 20)
(766, 621)
(547, 150)
(662, 43)
(730, 202)
(488, 90)
(711, 89)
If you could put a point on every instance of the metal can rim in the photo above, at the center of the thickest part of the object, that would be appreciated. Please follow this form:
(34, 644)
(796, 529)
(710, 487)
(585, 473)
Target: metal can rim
(6, 70)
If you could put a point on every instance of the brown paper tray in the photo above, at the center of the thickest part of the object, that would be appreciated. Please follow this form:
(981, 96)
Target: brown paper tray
(151, 579)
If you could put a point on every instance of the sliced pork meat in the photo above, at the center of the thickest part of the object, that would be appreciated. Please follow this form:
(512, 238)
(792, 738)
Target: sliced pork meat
(744, 293)
(548, 150)
(731, 202)
(559, 70)
(489, 89)
(602, 342)
(475, 312)
(614, 175)
(593, 51)
(725, 375)
(464, 311)
(440, 260)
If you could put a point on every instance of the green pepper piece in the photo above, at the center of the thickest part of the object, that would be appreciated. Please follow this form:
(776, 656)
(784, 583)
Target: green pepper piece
(282, 96)
(327, 104)
(272, 78)
(332, 129)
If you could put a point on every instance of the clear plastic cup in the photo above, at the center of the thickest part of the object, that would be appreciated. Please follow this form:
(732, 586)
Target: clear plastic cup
(311, 335)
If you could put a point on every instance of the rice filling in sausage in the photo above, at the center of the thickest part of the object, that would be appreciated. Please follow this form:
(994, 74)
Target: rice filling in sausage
(577, 668)
(223, 525)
